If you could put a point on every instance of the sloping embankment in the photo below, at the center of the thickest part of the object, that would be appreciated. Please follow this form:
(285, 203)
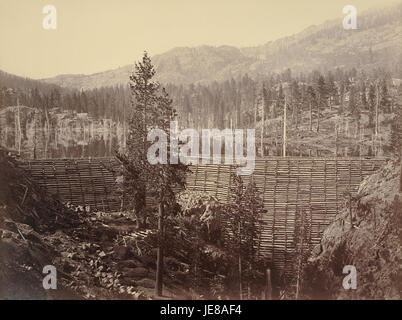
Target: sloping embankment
(371, 241)
(96, 255)
(26, 214)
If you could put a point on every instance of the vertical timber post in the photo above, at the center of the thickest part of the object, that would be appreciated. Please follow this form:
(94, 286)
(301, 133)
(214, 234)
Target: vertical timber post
(268, 288)
(284, 128)
(400, 178)
(240, 269)
(376, 119)
(19, 127)
(262, 130)
(159, 254)
(350, 194)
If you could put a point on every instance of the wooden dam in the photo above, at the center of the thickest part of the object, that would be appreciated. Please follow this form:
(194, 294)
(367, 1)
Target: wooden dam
(315, 186)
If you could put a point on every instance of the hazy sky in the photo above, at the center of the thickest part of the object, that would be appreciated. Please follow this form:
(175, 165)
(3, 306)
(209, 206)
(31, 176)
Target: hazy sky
(96, 35)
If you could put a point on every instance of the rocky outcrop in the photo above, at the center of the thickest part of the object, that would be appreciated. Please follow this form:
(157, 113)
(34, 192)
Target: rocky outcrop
(367, 234)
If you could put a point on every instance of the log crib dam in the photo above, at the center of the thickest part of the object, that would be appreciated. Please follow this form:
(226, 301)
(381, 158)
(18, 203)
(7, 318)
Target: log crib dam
(314, 186)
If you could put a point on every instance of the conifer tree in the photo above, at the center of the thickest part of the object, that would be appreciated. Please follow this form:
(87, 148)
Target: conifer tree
(396, 126)
(243, 232)
(384, 97)
(322, 94)
(371, 105)
(151, 109)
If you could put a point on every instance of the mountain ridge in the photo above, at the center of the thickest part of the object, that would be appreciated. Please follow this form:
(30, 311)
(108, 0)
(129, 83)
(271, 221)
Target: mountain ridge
(375, 44)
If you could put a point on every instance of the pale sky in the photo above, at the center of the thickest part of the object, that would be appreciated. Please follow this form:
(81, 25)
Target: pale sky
(97, 35)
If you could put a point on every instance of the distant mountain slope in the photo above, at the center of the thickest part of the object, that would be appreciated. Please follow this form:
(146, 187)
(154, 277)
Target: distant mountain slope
(8, 80)
(376, 43)
(179, 65)
(205, 63)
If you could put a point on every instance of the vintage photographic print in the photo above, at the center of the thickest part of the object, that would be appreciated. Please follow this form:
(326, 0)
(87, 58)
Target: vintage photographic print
(200, 150)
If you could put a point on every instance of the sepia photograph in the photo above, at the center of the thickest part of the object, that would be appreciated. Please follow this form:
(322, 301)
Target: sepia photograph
(222, 151)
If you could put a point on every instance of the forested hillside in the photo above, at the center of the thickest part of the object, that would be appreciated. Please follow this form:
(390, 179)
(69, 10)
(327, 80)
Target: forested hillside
(100, 103)
(346, 112)
(349, 107)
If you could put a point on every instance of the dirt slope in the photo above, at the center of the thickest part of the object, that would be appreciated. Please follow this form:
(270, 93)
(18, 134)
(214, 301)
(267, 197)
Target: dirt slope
(97, 255)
